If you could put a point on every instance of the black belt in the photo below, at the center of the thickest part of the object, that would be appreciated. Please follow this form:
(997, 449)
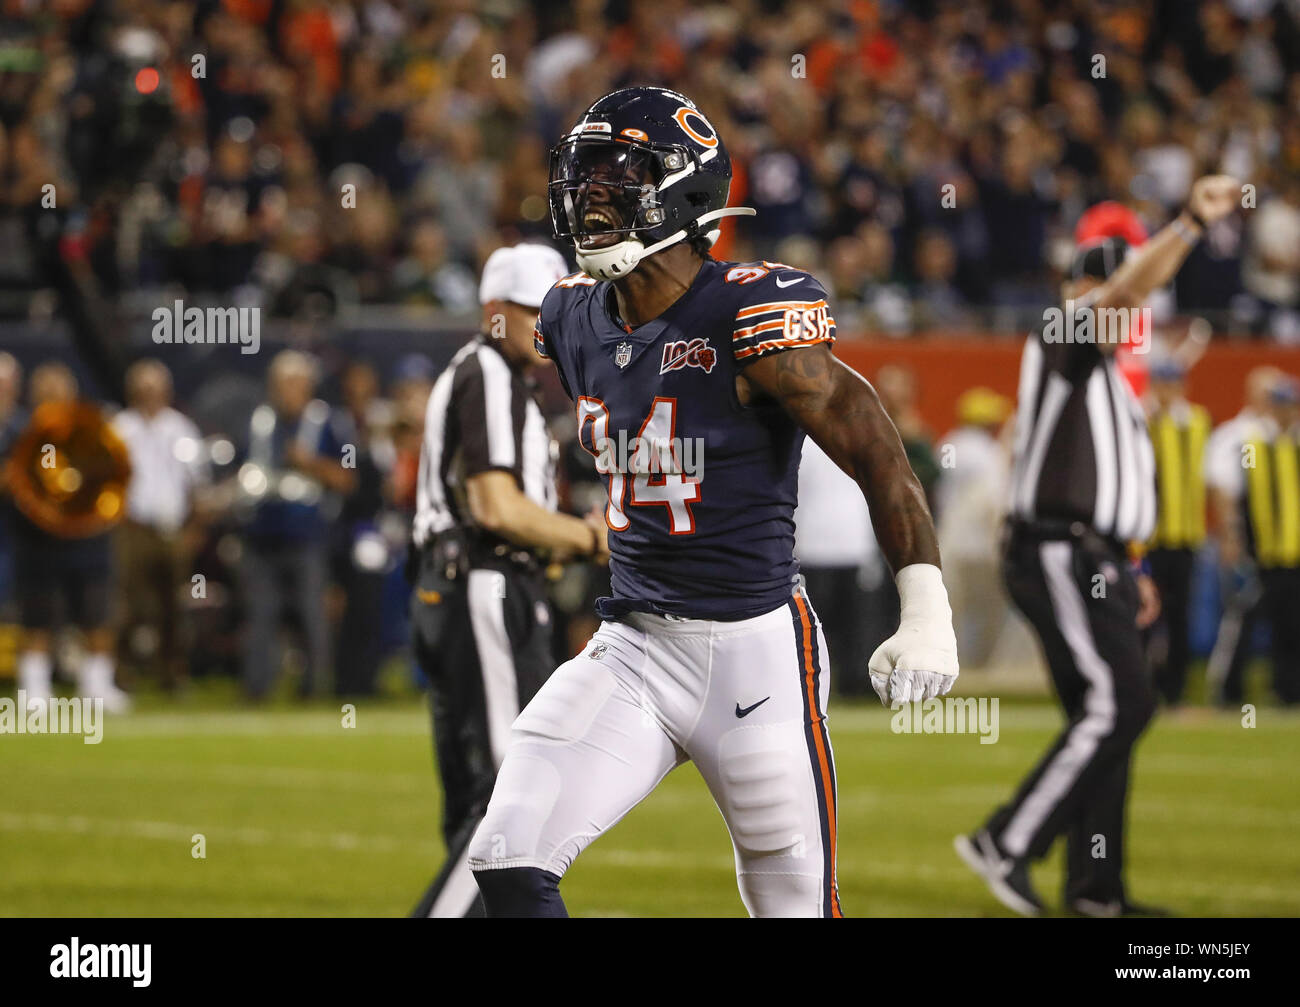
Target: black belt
(1053, 530)
(501, 553)
(459, 550)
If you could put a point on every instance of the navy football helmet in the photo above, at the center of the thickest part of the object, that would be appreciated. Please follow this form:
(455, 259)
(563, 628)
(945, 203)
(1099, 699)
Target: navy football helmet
(642, 170)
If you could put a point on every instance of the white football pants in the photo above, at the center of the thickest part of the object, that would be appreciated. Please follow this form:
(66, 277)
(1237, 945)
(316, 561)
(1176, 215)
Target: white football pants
(745, 701)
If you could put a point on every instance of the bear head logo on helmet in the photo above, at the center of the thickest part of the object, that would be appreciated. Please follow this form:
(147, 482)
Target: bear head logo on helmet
(642, 170)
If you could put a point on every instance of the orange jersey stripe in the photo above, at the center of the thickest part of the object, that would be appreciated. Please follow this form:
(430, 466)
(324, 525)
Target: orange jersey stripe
(763, 309)
(823, 757)
(775, 343)
(776, 323)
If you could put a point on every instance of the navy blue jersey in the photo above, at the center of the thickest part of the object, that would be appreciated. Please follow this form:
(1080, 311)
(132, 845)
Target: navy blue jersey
(702, 490)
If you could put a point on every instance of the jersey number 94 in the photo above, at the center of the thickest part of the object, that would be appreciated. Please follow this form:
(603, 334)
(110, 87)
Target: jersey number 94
(651, 462)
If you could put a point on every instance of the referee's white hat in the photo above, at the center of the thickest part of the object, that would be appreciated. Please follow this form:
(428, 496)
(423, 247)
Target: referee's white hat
(521, 274)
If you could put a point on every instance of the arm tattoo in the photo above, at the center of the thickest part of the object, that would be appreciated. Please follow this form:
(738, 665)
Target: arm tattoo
(841, 412)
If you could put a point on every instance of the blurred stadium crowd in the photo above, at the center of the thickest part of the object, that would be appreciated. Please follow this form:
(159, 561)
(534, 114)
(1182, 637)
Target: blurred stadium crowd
(846, 121)
(321, 159)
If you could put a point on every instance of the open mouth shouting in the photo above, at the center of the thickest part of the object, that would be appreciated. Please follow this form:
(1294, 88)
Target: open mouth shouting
(600, 225)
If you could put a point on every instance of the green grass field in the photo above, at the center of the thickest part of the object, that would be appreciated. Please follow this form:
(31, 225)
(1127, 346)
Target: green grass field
(302, 817)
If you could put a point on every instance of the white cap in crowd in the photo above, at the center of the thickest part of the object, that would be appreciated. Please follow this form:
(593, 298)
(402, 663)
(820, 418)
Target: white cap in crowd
(521, 274)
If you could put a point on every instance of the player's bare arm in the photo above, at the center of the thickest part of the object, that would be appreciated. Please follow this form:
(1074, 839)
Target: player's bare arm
(840, 410)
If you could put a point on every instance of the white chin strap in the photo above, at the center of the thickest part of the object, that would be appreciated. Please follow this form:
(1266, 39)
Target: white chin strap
(620, 259)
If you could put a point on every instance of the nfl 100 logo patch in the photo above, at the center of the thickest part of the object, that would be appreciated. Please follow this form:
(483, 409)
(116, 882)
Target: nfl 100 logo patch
(623, 354)
(681, 353)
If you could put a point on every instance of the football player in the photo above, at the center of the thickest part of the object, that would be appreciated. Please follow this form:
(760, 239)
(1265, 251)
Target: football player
(695, 381)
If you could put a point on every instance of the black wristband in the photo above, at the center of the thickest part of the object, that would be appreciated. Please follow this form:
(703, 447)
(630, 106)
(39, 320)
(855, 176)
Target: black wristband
(1196, 218)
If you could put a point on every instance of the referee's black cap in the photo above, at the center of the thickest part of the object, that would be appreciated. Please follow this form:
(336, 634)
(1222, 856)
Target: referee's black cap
(1098, 259)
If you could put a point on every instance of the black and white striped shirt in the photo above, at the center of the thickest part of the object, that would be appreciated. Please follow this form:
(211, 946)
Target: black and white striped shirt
(482, 415)
(1082, 451)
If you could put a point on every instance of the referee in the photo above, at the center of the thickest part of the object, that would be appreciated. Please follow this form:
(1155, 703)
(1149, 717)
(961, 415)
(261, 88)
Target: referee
(485, 515)
(1083, 491)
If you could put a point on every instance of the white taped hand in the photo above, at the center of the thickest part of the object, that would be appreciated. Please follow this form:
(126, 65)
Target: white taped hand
(918, 662)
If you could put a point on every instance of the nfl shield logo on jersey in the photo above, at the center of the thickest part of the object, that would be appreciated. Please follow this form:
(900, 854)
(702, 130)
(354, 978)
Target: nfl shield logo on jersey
(623, 354)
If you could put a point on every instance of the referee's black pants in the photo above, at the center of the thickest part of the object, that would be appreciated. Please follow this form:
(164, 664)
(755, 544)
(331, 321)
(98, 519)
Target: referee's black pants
(484, 641)
(1083, 602)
